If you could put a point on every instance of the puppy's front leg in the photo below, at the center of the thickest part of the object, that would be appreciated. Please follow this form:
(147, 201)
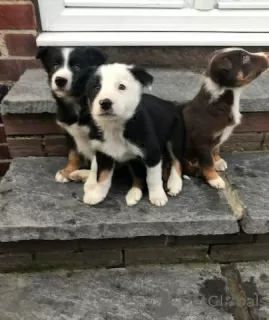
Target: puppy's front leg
(157, 195)
(138, 172)
(73, 164)
(208, 169)
(220, 164)
(99, 182)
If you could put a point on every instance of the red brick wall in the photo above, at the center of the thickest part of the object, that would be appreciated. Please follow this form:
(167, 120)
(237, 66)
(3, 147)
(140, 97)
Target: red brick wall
(17, 39)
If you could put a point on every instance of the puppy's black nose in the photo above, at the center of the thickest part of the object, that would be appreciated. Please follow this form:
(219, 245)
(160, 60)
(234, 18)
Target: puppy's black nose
(106, 104)
(60, 82)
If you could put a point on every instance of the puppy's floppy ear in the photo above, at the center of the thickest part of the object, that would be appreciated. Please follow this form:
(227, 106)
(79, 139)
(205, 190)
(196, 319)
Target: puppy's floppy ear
(142, 76)
(41, 52)
(81, 82)
(95, 56)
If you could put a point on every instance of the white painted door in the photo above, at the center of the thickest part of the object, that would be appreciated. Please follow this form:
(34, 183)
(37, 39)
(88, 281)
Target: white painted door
(243, 4)
(154, 22)
(124, 3)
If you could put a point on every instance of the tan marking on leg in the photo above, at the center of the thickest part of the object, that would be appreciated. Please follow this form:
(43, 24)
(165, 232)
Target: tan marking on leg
(73, 163)
(215, 154)
(137, 183)
(103, 176)
(210, 173)
(176, 164)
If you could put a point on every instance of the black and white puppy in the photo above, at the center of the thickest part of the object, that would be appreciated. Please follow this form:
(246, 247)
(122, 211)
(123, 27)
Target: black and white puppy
(127, 124)
(64, 67)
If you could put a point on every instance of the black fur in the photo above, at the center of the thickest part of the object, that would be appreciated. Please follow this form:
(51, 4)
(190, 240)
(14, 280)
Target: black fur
(70, 108)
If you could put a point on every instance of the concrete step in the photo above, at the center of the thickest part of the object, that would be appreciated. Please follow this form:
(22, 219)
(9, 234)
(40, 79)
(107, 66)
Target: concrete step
(44, 223)
(200, 291)
(31, 93)
(29, 112)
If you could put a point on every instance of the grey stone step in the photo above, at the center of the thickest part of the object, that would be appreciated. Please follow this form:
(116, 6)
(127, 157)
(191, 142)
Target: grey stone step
(184, 292)
(31, 93)
(249, 176)
(33, 206)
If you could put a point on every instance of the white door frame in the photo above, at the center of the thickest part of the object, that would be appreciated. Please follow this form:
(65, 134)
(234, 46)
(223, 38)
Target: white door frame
(119, 26)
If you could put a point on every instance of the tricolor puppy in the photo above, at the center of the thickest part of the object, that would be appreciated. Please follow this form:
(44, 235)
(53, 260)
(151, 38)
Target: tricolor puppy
(213, 114)
(64, 67)
(130, 125)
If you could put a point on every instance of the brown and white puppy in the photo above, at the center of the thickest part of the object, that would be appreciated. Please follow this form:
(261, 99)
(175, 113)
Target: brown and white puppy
(213, 114)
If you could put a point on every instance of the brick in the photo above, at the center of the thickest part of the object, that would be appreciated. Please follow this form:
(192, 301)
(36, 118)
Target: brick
(205, 240)
(21, 44)
(139, 242)
(30, 124)
(4, 152)
(4, 165)
(13, 69)
(38, 246)
(254, 122)
(100, 258)
(266, 141)
(2, 134)
(239, 252)
(262, 238)
(14, 261)
(165, 255)
(243, 142)
(17, 16)
(55, 146)
(25, 147)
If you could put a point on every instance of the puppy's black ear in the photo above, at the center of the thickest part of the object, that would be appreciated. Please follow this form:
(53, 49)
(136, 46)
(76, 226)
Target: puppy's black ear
(142, 76)
(42, 52)
(81, 82)
(95, 56)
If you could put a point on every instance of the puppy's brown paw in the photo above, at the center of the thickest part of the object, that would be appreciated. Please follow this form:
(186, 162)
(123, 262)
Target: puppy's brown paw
(62, 176)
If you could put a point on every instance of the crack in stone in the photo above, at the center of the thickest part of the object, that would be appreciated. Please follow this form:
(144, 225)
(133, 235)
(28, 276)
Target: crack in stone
(242, 311)
(233, 199)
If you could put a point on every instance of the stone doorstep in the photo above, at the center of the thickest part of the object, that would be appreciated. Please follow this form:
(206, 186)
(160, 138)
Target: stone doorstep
(35, 207)
(31, 93)
(45, 220)
(176, 292)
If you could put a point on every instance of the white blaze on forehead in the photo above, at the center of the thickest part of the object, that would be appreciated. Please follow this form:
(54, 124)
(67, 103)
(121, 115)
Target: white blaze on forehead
(64, 72)
(115, 74)
(124, 102)
(232, 49)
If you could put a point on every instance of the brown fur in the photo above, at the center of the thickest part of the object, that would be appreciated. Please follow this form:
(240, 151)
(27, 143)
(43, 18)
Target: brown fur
(207, 115)
(73, 164)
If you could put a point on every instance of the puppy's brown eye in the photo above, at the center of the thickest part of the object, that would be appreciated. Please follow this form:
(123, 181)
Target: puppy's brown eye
(77, 67)
(55, 66)
(96, 87)
(122, 87)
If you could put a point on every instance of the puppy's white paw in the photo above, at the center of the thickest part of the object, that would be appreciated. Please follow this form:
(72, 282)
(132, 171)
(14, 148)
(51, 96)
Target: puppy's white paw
(218, 183)
(158, 197)
(79, 175)
(133, 196)
(94, 196)
(61, 177)
(221, 165)
(90, 183)
(174, 185)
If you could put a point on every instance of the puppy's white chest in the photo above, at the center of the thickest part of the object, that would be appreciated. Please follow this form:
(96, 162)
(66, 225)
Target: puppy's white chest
(80, 135)
(236, 116)
(117, 147)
